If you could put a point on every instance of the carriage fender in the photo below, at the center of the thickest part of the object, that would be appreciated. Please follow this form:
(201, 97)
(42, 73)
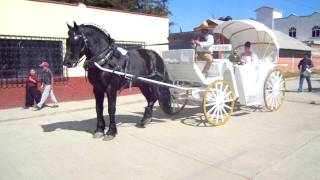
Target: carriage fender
(263, 71)
(228, 75)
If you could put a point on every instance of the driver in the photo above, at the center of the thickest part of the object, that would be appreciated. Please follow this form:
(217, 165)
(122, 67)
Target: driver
(248, 56)
(204, 43)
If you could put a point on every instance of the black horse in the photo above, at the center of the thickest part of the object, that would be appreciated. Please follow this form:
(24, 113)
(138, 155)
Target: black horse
(97, 45)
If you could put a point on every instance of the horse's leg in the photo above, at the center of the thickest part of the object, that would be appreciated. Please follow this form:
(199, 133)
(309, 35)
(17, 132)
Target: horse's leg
(99, 96)
(112, 100)
(149, 93)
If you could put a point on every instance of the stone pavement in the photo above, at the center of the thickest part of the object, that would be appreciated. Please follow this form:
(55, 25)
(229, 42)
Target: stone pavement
(57, 143)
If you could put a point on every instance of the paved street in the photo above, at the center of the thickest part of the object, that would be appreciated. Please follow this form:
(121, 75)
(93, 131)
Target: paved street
(57, 143)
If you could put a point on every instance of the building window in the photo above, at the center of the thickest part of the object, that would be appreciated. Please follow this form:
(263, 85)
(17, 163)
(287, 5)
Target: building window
(316, 31)
(293, 32)
(20, 53)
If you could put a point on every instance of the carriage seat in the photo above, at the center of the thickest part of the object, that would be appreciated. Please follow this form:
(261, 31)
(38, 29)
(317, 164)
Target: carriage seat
(213, 71)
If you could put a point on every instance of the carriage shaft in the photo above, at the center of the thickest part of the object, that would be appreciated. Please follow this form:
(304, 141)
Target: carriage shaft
(142, 78)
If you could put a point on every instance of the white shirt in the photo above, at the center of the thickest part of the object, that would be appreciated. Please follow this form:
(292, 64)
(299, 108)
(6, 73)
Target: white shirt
(249, 58)
(206, 46)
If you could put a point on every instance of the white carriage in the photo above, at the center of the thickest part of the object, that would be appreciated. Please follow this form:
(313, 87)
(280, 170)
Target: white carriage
(257, 83)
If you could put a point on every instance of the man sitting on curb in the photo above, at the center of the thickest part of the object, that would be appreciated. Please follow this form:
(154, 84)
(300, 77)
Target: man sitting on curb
(47, 84)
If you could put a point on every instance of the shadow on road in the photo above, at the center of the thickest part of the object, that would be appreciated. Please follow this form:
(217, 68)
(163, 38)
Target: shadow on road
(89, 125)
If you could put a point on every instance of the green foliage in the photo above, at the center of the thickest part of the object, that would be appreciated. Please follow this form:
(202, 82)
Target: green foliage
(157, 7)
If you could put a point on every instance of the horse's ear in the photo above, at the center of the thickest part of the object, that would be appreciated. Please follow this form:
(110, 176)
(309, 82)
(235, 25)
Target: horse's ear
(75, 26)
(70, 27)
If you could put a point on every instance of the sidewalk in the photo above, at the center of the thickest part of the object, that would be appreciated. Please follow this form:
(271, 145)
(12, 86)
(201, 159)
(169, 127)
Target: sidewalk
(293, 95)
(57, 143)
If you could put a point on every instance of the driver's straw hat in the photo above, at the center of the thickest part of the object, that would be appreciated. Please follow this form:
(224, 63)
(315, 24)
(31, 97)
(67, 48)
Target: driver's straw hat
(204, 25)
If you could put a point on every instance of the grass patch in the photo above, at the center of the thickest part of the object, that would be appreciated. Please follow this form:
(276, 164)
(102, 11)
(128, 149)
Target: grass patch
(291, 74)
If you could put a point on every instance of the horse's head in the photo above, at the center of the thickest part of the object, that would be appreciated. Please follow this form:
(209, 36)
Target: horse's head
(76, 46)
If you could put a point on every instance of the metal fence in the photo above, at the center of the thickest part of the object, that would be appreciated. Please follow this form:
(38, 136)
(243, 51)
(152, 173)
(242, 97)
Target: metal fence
(18, 54)
(129, 45)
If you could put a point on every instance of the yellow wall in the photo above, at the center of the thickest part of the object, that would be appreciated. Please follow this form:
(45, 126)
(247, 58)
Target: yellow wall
(31, 18)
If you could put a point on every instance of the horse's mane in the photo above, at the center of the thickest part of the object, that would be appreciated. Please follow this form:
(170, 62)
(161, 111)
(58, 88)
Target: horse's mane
(98, 28)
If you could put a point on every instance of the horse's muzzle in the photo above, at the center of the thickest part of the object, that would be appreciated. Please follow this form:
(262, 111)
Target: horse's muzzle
(70, 63)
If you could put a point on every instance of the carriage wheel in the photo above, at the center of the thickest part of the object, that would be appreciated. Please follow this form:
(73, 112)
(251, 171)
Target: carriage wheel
(218, 102)
(274, 90)
(178, 99)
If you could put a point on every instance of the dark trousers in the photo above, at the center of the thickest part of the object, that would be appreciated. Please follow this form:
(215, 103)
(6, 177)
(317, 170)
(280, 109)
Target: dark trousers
(32, 94)
(301, 82)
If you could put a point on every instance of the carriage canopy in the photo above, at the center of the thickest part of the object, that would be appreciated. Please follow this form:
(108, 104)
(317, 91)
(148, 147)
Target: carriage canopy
(263, 40)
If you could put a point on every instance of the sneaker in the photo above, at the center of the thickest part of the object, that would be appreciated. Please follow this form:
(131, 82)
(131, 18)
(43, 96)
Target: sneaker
(37, 108)
(26, 107)
(55, 106)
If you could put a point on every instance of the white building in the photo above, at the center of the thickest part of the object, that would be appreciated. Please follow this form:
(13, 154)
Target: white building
(25, 19)
(303, 28)
(35, 30)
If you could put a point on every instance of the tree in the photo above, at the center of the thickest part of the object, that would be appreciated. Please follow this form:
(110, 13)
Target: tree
(157, 7)
(227, 18)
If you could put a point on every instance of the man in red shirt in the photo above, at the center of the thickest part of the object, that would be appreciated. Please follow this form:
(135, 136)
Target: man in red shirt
(32, 92)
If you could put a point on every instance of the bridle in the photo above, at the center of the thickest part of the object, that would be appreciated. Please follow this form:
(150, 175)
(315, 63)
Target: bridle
(108, 51)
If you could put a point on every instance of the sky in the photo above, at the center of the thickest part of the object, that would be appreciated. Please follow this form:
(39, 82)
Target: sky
(188, 14)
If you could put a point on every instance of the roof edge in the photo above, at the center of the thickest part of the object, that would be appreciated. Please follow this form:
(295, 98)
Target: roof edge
(268, 7)
(99, 8)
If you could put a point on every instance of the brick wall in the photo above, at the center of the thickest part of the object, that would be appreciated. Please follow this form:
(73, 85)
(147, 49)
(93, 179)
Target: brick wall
(293, 63)
(75, 89)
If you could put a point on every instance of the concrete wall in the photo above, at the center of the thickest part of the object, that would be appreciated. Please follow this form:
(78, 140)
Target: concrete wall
(277, 14)
(48, 19)
(303, 24)
(33, 18)
(265, 16)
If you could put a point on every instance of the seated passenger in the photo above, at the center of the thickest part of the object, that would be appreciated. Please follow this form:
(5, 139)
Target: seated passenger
(234, 57)
(204, 46)
(248, 56)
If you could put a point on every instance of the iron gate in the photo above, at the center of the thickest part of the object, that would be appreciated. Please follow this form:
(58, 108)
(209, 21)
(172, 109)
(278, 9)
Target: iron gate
(129, 45)
(20, 53)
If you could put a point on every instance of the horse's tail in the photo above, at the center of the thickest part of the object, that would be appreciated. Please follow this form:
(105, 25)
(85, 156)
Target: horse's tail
(164, 99)
(163, 92)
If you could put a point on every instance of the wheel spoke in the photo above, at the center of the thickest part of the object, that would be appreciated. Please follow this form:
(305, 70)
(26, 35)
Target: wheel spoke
(211, 109)
(221, 87)
(225, 88)
(217, 119)
(210, 104)
(214, 114)
(226, 114)
(227, 106)
(227, 95)
(213, 92)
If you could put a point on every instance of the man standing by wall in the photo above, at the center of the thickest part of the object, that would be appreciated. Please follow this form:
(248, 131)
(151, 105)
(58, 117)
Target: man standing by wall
(305, 65)
(47, 84)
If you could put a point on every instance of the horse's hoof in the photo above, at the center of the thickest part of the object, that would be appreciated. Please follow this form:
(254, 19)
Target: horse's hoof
(108, 137)
(140, 125)
(98, 135)
(146, 122)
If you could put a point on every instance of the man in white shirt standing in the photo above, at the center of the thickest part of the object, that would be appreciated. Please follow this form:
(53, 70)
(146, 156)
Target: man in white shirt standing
(204, 46)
